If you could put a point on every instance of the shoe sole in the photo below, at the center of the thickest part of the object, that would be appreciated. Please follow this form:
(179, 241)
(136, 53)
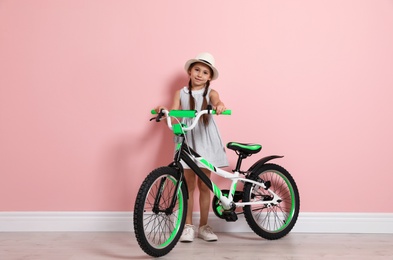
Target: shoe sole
(208, 240)
(186, 241)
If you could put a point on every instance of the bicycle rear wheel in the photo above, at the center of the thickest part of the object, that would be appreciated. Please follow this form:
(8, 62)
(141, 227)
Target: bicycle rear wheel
(272, 221)
(157, 225)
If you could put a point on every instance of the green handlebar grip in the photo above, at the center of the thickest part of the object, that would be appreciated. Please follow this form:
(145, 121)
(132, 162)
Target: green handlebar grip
(227, 112)
(153, 112)
(182, 113)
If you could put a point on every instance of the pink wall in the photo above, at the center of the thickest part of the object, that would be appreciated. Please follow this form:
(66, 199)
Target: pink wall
(311, 80)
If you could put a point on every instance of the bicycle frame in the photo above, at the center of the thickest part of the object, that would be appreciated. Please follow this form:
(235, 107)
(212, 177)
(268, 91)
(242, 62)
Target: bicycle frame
(191, 158)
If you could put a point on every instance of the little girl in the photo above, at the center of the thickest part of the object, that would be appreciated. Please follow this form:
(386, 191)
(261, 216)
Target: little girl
(204, 138)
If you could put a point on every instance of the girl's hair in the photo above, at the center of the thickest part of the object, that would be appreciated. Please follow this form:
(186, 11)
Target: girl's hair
(205, 117)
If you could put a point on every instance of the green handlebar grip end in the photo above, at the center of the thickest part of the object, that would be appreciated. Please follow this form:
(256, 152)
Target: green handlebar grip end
(226, 112)
(153, 112)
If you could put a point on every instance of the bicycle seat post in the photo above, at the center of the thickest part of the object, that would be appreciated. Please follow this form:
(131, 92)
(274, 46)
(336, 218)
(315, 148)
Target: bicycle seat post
(240, 158)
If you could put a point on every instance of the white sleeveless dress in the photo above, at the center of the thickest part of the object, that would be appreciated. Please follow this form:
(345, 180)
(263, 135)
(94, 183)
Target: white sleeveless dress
(205, 140)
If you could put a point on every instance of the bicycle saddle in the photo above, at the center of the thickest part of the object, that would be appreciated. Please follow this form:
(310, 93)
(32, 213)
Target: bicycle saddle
(244, 148)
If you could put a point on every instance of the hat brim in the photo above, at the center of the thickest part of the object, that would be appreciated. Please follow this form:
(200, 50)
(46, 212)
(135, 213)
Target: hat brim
(189, 62)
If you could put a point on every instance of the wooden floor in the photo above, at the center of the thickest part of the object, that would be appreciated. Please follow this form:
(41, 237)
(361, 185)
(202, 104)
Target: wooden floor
(85, 246)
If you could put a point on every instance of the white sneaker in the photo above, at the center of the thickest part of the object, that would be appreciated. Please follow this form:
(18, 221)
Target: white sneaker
(188, 233)
(206, 233)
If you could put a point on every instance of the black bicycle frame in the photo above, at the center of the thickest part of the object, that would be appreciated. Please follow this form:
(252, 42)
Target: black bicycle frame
(182, 154)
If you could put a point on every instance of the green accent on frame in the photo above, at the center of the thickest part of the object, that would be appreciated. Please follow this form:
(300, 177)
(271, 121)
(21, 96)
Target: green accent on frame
(178, 129)
(234, 189)
(216, 191)
(209, 165)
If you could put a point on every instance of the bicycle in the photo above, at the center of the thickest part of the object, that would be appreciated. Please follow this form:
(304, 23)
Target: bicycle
(270, 197)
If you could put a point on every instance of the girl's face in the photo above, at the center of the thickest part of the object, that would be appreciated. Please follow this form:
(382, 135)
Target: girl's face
(199, 73)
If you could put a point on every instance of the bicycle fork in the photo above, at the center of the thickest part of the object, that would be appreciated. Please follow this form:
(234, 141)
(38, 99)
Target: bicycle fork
(168, 210)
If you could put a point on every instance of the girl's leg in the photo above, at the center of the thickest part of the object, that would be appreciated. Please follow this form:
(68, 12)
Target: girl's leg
(191, 180)
(205, 231)
(188, 234)
(204, 199)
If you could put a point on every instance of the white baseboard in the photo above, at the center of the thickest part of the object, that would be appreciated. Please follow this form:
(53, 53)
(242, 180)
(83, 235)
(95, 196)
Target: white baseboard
(308, 222)
(65, 221)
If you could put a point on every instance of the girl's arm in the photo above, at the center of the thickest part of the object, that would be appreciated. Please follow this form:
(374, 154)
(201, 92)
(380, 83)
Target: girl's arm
(176, 101)
(215, 100)
(175, 105)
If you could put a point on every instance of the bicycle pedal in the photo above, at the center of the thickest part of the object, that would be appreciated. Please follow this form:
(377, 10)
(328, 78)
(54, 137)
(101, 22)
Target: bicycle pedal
(229, 216)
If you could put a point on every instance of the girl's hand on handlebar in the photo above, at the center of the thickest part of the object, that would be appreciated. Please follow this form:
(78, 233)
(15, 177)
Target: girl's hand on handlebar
(220, 108)
(160, 114)
(159, 108)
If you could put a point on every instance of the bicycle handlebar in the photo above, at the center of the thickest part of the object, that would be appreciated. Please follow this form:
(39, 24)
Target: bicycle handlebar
(192, 113)
(186, 113)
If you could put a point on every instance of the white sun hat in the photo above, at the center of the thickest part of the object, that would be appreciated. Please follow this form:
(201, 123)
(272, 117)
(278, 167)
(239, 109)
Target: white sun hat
(205, 58)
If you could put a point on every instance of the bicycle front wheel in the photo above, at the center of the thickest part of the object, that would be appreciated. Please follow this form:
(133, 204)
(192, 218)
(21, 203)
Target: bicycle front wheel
(158, 223)
(273, 220)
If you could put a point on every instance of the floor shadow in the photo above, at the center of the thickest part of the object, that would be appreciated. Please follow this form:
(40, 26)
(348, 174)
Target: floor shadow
(119, 242)
(243, 236)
